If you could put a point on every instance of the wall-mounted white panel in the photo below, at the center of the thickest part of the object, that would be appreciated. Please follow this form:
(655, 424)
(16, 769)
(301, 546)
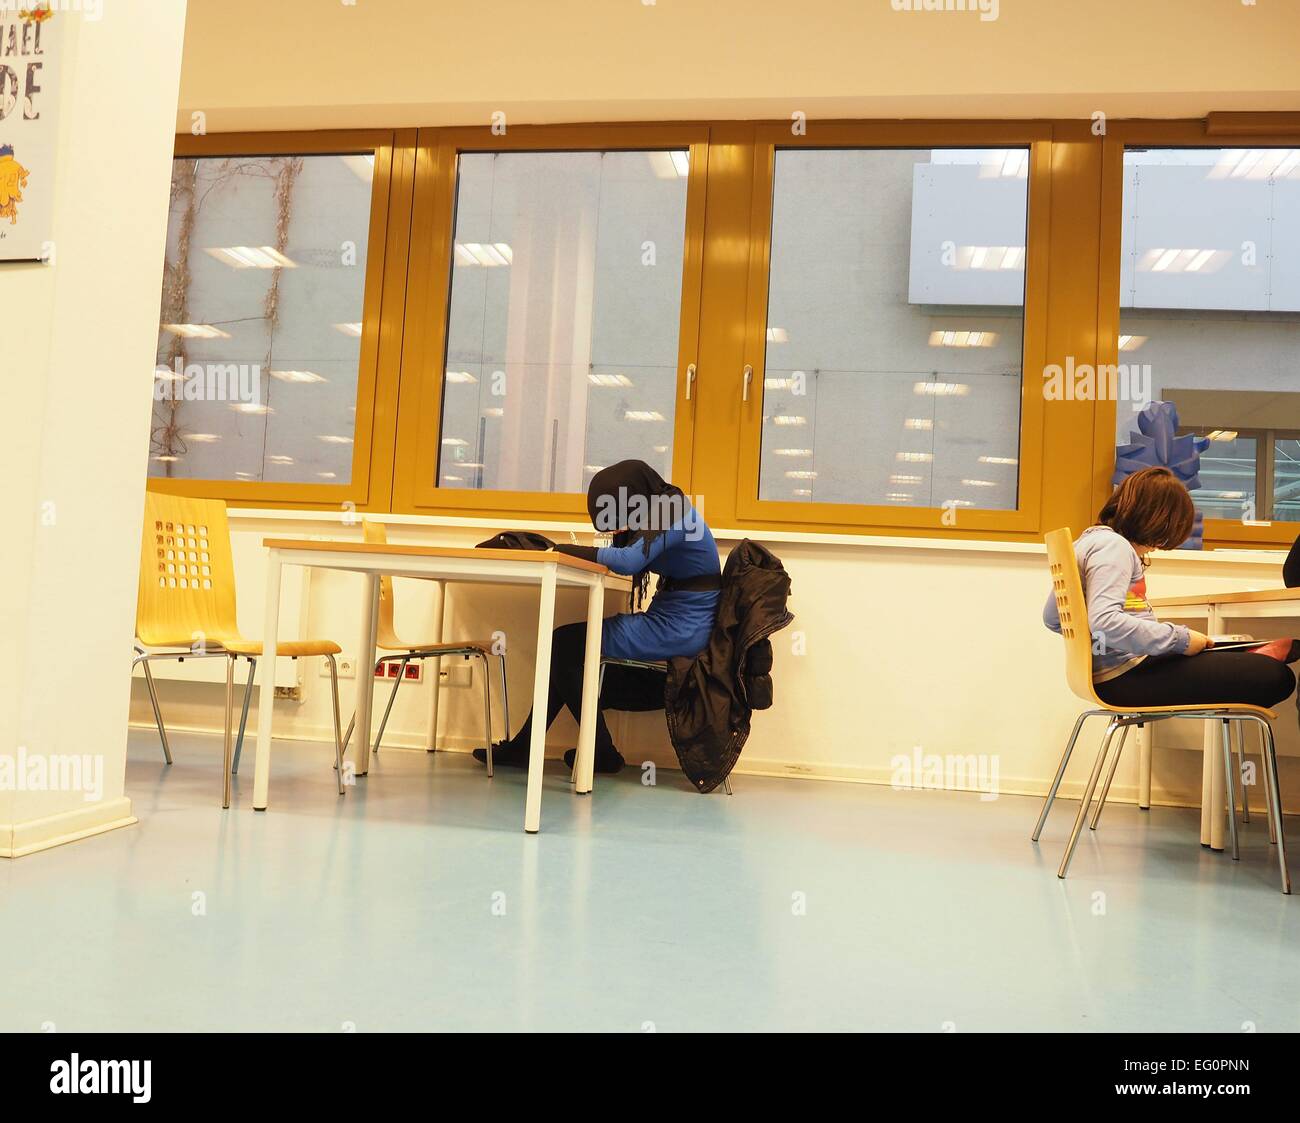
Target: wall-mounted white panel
(968, 236)
(1197, 241)
(1284, 265)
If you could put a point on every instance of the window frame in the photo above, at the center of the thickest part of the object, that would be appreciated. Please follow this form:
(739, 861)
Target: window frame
(415, 487)
(1217, 130)
(1037, 137)
(368, 487)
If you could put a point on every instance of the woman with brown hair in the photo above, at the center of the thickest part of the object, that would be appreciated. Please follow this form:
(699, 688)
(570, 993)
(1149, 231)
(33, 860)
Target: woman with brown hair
(1137, 660)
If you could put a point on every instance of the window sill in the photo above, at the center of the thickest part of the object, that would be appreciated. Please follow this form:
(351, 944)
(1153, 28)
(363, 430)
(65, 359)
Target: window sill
(1267, 558)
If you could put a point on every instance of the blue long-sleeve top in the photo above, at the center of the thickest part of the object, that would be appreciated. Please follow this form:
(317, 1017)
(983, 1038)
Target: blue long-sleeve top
(1123, 626)
(677, 621)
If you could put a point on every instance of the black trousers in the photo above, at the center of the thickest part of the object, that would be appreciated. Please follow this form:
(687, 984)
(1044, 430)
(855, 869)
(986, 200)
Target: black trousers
(626, 688)
(1211, 676)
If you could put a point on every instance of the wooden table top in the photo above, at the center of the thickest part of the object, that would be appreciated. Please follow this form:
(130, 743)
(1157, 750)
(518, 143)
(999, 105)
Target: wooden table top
(342, 546)
(1254, 596)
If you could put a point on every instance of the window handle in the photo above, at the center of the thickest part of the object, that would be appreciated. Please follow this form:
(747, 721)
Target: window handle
(748, 378)
(690, 380)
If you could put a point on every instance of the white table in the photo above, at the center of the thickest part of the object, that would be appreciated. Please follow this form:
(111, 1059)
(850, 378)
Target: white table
(1214, 609)
(548, 571)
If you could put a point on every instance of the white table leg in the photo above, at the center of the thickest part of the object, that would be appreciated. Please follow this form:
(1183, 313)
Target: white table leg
(584, 772)
(266, 691)
(541, 692)
(366, 655)
(1213, 796)
(439, 597)
(1144, 766)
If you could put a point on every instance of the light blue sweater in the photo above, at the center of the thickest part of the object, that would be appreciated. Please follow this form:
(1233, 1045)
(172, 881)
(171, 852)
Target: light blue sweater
(1123, 626)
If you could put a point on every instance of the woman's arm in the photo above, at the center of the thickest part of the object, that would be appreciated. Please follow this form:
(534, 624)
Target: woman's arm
(632, 559)
(1106, 586)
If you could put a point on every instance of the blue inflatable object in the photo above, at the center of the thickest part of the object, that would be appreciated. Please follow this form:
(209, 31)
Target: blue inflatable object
(1155, 442)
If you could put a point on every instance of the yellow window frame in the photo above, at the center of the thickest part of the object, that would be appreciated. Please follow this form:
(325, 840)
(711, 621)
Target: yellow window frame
(1217, 130)
(429, 287)
(372, 450)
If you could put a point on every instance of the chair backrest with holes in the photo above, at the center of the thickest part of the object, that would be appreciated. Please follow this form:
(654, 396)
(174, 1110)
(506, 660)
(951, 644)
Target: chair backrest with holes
(384, 633)
(187, 573)
(1073, 610)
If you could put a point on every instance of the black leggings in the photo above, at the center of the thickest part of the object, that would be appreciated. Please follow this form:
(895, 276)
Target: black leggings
(626, 688)
(1210, 677)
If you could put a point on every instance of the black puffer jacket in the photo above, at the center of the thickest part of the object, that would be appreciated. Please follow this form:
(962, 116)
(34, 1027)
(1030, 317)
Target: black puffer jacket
(709, 698)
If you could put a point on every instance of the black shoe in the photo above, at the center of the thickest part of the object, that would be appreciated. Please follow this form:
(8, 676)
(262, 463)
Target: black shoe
(504, 753)
(608, 761)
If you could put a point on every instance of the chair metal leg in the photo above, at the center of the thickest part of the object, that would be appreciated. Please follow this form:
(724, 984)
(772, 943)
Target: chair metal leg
(1086, 801)
(226, 746)
(1275, 803)
(338, 740)
(1239, 747)
(243, 717)
(401, 674)
(487, 708)
(1110, 776)
(726, 784)
(157, 710)
(1065, 759)
(1229, 787)
(1268, 788)
(505, 701)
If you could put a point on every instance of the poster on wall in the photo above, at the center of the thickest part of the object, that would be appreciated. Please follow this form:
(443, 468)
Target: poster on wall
(31, 49)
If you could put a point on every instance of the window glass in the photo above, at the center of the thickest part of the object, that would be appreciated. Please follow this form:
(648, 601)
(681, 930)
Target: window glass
(260, 334)
(563, 322)
(1210, 314)
(1229, 470)
(894, 328)
(1286, 479)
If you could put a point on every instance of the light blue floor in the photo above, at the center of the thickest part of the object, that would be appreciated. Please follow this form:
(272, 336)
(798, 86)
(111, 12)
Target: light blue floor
(634, 908)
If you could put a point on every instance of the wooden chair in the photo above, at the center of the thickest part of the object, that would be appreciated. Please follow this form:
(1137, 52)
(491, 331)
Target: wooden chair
(662, 668)
(405, 653)
(186, 607)
(1073, 610)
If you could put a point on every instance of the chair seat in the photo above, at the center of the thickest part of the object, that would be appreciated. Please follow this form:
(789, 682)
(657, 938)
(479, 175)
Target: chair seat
(1218, 707)
(291, 648)
(649, 665)
(484, 646)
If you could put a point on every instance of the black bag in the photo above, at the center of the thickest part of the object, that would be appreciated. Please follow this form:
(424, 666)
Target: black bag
(517, 540)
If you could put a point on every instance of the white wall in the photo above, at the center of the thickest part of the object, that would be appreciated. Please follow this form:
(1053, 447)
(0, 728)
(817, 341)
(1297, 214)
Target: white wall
(936, 645)
(310, 64)
(79, 339)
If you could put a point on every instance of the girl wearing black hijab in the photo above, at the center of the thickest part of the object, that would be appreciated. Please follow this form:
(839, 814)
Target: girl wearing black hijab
(1291, 569)
(655, 530)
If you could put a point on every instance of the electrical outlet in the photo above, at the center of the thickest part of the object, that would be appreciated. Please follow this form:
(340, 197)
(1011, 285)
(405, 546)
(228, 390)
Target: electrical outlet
(456, 674)
(347, 666)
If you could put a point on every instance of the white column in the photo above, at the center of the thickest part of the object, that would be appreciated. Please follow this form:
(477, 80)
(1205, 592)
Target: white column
(80, 338)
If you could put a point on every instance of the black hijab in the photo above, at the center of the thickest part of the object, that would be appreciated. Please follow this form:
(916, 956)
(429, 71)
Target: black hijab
(621, 499)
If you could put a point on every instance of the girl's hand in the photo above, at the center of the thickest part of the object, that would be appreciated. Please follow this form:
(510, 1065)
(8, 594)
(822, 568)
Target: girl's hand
(1197, 642)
